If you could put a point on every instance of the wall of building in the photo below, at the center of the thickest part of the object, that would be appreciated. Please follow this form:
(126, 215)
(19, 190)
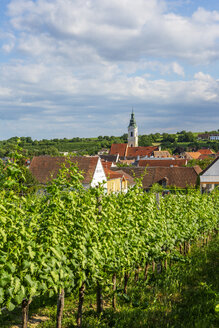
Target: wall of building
(99, 175)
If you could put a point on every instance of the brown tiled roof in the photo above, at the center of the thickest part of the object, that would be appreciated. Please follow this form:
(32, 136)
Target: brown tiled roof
(44, 168)
(162, 162)
(127, 176)
(180, 177)
(161, 154)
(197, 169)
(192, 155)
(118, 149)
(140, 151)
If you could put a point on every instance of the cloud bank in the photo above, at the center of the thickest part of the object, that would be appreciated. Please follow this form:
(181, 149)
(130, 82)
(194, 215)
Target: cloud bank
(75, 68)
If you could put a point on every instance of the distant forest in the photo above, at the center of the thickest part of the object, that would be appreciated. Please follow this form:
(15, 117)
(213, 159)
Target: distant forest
(175, 143)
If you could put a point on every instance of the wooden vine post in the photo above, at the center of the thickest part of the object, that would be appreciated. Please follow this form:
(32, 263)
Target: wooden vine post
(99, 295)
(146, 271)
(114, 291)
(126, 278)
(60, 308)
(25, 310)
(80, 305)
(99, 299)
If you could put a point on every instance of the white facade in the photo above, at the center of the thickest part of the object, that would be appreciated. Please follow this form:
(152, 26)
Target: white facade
(132, 136)
(99, 175)
(216, 137)
(210, 178)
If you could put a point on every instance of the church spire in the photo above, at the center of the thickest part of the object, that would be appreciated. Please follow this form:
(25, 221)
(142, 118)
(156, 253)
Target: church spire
(132, 132)
(132, 120)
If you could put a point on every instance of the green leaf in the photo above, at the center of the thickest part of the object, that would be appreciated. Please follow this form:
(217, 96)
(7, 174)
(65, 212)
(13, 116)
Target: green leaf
(10, 306)
(19, 297)
(56, 253)
(28, 279)
(55, 276)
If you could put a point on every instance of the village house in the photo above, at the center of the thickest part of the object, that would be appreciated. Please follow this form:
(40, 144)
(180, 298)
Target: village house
(117, 181)
(179, 177)
(45, 168)
(209, 178)
(191, 155)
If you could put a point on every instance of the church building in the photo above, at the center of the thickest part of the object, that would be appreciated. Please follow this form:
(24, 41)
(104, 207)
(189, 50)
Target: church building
(131, 149)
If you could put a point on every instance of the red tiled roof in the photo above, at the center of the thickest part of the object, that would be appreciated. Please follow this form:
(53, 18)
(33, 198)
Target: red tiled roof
(112, 174)
(180, 177)
(45, 168)
(204, 156)
(164, 162)
(205, 151)
(140, 151)
(106, 165)
(118, 149)
(123, 150)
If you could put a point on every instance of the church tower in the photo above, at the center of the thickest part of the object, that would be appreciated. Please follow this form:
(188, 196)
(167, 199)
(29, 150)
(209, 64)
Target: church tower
(132, 132)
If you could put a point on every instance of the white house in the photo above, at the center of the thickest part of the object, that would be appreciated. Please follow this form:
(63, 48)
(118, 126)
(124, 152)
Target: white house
(45, 168)
(209, 178)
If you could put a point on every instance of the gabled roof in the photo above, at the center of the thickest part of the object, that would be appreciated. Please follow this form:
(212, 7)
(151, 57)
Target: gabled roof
(161, 154)
(205, 151)
(204, 157)
(160, 162)
(45, 168)
(106, 165)
(109, 158)
(118, 149)
(140, 151)
(118, 174)
(180, 177)
(208, 167)
(125, 151)
(192, 154)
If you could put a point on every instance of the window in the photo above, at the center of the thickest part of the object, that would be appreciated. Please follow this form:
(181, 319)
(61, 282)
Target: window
(131, 134)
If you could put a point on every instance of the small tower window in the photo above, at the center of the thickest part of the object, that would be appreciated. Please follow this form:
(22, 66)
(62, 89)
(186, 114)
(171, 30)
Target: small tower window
(131, 134)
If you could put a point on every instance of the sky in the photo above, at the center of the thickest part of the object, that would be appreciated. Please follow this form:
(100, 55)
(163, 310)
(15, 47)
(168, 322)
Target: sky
(76, 68)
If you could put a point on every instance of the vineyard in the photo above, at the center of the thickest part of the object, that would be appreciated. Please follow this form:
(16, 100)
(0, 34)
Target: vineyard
(65, 239)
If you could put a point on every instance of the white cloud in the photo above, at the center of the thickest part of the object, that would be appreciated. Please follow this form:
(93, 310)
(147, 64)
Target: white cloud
(77, 58)
(178, 69)
(119, 29)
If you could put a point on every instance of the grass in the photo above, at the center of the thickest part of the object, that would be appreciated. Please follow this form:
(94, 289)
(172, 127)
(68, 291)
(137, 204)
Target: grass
(183, 296)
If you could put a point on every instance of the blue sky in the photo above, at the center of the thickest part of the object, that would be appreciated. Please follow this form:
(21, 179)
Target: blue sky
(77, 67)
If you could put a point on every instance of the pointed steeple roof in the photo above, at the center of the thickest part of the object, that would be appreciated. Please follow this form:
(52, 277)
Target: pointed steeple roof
(132, 120)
